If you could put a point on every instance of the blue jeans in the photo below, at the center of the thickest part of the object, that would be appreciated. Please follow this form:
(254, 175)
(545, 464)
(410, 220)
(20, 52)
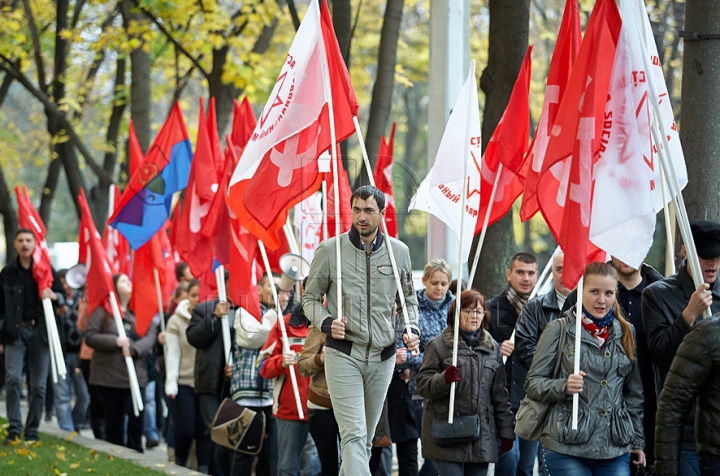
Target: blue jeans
(689, 463)
(292, 435)
(28, 347)
(710, 466)
(519, 461)
(564, 465)
(450, 468)
(149, 416)
(71, 419)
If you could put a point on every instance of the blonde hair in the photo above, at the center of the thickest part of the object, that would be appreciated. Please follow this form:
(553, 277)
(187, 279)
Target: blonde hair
(438, 264)
(604, 269)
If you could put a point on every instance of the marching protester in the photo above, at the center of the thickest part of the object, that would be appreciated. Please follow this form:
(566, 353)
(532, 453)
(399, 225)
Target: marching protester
(184, 403)
(671, 306)
(610, 425)
(480, 391)
(108, 371)
(70, 340)
(504, 311)
(322, 424)
(404, 403)
(360, 343)
(24, 335)
(694, 376)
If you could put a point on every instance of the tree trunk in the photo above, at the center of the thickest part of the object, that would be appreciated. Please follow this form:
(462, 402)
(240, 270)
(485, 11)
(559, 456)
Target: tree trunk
(9, 219)
(700, 124)
(140, 65)
(509, 24)
(383, 87)
(342, 22)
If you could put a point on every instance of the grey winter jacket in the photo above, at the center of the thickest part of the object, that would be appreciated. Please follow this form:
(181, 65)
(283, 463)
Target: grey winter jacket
(369, 293)
(495, 415)
(611, 403)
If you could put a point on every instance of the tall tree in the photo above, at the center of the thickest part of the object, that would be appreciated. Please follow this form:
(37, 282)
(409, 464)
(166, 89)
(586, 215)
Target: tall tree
(509, 31)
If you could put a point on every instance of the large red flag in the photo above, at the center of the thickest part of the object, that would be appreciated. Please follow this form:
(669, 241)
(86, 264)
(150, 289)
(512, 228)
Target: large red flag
(99, 271)
(565, 198)
(191, 243)
(30, 219)
(507, 146)
(345, 192)
(566, 50)
(242, 286)
(278, 167)
(116, 246)
(383, 180)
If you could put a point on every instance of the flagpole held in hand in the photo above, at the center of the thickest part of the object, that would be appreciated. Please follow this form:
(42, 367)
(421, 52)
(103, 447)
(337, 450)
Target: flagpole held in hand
(576, 369)
(222, 297)
(393, 262)
(132, 375)
(161, 313)
(283, 331)
(57, 361)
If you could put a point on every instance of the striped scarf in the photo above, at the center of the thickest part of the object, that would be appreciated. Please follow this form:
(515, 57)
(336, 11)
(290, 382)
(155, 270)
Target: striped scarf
(516, 299)
(598, 328)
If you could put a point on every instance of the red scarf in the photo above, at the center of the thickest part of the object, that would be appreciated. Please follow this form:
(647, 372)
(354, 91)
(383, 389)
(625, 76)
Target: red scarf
(600, 334)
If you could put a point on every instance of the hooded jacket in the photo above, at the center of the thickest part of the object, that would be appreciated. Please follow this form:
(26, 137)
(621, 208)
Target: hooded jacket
(180, 364)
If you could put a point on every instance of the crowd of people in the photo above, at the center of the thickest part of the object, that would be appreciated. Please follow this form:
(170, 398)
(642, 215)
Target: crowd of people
(350, 373)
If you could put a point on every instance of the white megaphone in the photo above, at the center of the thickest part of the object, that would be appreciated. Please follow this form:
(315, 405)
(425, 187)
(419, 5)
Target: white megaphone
(294, 268)
(76, 277)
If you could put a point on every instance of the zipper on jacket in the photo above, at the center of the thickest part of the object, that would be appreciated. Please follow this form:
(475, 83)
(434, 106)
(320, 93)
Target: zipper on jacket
(367, 305)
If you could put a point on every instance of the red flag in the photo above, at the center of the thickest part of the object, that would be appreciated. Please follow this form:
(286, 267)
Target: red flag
(383, 180)
(243, 125)
(278, 167)
(217, 230)
(152, 255)
(208, 286)
(191, 243)
(242, 286)
(99, 271)
(565, 195)
(507, 146)
(116, 246)
(30, 219)
(345, 194)
(173, 233)
(136, 153)
(567, 46)
(214, 137)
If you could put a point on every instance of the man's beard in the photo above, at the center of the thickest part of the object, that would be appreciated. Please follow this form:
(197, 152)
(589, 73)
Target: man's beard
(368, 233)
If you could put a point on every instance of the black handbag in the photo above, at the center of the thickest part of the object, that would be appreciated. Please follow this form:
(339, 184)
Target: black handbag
(463, 429)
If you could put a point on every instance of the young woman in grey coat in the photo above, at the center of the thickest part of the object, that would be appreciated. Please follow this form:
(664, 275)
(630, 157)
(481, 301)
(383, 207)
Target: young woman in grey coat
(611, 402)
(478, 358)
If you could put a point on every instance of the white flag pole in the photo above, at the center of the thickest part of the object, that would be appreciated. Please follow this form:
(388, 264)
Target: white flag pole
(393, 262)
(161, 313)
(325, 210)
(290, 236)
(57, 360)
(132, 376)
(222, 297)
(283, 331)
(333, 152)
(476, 259)
(668, 216)
(576, 369)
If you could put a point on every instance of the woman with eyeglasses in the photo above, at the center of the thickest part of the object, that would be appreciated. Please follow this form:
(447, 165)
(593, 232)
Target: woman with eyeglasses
(479, 379)
(610, 420)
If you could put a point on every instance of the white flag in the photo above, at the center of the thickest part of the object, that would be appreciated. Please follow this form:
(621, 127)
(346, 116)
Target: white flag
(458, 159)
(308, 218)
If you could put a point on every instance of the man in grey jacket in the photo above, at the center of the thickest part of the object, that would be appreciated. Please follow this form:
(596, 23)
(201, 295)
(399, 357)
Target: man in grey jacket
(361, 342)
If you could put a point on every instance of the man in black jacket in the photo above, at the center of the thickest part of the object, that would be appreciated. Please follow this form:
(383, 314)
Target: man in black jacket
(670, 307)
(504, 311)
(693, 375)
(24, 334)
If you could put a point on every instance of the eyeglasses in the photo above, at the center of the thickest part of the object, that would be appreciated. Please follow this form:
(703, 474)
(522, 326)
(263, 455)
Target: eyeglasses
(474, 312)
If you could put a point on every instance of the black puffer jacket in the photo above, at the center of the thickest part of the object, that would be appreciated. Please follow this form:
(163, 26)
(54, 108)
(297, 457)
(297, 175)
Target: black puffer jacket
(205, 334)
(694, 374)
(503, 318)
(535, 316)
(662, 305)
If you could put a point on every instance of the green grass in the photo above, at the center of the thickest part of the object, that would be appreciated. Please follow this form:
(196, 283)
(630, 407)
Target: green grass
(58, 456)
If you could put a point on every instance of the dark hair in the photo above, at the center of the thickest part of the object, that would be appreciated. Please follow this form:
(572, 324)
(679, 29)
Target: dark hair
(180, 270)
(24, 230)
(523, 257)
(62, 273)
(468, 299)
(264, 278)
(367, 191)
(193, 283)
(453, 286)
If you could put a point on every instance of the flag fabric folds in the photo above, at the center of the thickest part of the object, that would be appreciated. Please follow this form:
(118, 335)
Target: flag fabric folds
(278, 167)
(457, 161)
(383, 180)
(30, 219)
(243, 124)
(566, 50)
(345, 192)
(116, 246)
(565, 198)
(507, 146)
(99, 271)
(145, 204)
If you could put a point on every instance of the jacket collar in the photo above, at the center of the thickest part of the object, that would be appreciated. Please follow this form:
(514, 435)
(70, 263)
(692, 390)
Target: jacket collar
(424, 301)
(485, 344)
(183, 309)
(359, 244)
(549, 300)
(687, 284)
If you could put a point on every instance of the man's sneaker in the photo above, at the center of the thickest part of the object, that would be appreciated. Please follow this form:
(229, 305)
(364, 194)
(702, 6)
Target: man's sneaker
(32, 438)
(48, 416)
